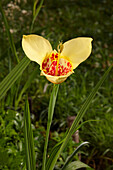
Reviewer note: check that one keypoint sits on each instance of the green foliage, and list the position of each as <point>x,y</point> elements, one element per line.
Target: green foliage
<point>11,140</point>
<point>78,118</point>
<point>77,165</point>
<point>99,133</point>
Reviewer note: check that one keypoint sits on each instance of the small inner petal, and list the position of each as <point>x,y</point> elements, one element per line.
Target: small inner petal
<point>56,66</point>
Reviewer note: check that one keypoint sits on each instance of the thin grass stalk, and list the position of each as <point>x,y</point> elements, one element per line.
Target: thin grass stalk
<point>50,116</point>
<point>11,42</point>
<point>36,12</point>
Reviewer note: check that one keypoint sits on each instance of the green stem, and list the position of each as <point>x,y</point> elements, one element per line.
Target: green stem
<point>50,116</point>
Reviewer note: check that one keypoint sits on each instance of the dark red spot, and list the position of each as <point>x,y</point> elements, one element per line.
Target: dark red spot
<point>54,63</point>
<point>56,55</point>
<point>47,60</point>
<point>44,64</point>
<point>69,64</point>
<point>52,57</point>
<point>47,69</point>
<point>59,70</point>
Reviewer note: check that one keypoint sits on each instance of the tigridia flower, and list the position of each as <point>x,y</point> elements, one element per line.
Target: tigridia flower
<point>56,65</point>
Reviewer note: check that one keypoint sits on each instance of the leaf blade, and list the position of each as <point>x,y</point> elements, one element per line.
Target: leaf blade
<point>29,142</point>
<point>77,165</point>
<point>10,79</point>
<point>72,155</point>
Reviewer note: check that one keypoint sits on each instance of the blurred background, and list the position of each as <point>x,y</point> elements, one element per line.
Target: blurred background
<point>58,20</point>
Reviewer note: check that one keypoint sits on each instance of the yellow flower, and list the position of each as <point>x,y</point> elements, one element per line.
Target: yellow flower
<point>56,65</point>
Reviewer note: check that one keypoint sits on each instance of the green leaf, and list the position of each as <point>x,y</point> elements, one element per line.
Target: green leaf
<point>53,153</point>
<point>10,79</point>
<point>76,165</point>
<point>29,142</point>
<point>73,154</point>
<point>79,116</point>
<point>12,45</point>
<point>50,116</point>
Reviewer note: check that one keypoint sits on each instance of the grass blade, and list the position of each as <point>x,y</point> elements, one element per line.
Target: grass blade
<point>53,153</point>
<point>36,11</point>
<point>10,79</point>
<point>72,155</point>
<point>79,116</point>
<point>50,116</point>
<point>29,142</point>
<point>77,165</point>
<point>12,45</point>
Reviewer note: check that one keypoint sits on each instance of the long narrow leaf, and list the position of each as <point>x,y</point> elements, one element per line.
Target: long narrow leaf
<point>53,153</point>
<point>12,45</point>
<point>79,116</point>
<point>29,142</point>
<point>72,155</point>
<point>10,79</point>
<point>77,165</point>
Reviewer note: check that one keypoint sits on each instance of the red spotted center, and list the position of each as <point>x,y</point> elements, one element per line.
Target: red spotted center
<point>56,66</point>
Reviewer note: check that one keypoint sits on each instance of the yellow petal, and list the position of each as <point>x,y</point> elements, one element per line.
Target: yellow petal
<point>36,47</point>
<point>56,79</point>
<point>77,50</point>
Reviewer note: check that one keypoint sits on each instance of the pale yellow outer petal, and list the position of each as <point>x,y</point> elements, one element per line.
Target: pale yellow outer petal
<point>56,79</point>
<point>77,50</point>
<point>36,47</point>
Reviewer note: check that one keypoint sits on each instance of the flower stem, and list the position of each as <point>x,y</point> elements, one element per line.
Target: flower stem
<point>50,116</point>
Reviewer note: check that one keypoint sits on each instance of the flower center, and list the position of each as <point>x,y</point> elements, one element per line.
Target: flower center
<point>55,65</point>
